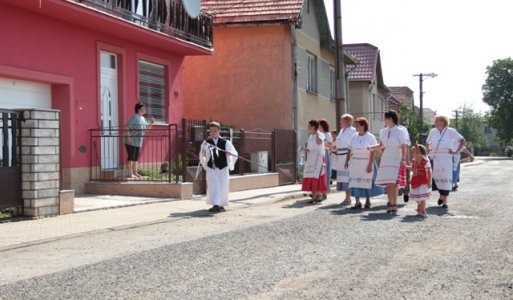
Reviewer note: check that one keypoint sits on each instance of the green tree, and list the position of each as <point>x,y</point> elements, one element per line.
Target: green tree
<point>411,120</point>
<point>498,93</point>
<point>468,124</point>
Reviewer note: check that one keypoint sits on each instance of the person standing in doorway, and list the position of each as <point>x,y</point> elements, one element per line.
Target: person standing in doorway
<point>218,157</point>
<point>137,126</point>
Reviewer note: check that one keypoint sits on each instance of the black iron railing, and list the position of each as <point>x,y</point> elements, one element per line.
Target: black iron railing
<point>158,158</point>
<point>166,16</point>
<point>171,153</point>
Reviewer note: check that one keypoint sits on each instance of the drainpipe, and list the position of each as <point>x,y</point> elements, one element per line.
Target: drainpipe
<point>294,77</point>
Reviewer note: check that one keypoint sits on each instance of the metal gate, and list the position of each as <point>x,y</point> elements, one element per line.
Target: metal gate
<point>285,147</point>
<point>10,162</point>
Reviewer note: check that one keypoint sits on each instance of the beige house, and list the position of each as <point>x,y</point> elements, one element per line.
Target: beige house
<point>404,94</point>
<point>367,90</point>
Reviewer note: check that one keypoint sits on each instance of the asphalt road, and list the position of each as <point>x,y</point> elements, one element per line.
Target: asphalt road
<point>291,250</point>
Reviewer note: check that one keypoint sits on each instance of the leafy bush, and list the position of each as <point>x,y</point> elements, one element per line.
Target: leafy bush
<point>508,151</point>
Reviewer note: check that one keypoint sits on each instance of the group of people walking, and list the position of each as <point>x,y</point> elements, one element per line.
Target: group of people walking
<point>353,155</point>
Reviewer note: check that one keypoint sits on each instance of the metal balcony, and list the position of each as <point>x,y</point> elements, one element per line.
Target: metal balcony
<point>165,16</point>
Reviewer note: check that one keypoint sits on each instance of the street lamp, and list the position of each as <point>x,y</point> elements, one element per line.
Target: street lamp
<point>422,77</point>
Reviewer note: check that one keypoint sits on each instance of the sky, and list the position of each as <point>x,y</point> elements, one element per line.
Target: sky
<point>456,39</point>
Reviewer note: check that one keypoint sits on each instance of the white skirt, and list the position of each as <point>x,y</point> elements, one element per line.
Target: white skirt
<point>420,193</point>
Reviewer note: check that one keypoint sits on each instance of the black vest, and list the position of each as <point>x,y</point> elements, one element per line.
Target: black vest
<point>218,159</point>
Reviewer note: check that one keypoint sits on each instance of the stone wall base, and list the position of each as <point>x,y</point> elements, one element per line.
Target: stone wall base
<point>66,202</point>
<point>253,181</point>
<point>141,189</point>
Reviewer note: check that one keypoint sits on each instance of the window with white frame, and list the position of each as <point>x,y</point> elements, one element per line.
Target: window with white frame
<point>153,90</point>
<point>311,83</point>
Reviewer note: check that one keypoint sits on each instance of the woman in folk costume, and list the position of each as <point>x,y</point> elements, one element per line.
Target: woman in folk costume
<point>341,143</point>
<point>393,142</point>
<point>314,175</point>
<point>217,156</point>
<point>440,143</point>
<point>362,166</point>
<point>324,127</point>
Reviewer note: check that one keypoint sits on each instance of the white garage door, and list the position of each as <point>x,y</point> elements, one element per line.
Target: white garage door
<point>24,94</point>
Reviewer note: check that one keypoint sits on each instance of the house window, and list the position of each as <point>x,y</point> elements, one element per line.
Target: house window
<point>311,83</point>
<point>333,85</point>
<point>152,89</point>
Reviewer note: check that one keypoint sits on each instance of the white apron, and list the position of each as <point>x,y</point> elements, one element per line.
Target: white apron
<point>358,175</point>
<point>315,157</point>
<point>440,143</point>
<point>392,138</point>
<point>342,142</point>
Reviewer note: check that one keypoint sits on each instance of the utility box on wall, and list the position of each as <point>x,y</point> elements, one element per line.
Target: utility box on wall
<point>197,133</point>
<point>262,158</point>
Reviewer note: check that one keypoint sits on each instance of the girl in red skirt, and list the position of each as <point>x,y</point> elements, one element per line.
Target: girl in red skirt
<point>421,178</point>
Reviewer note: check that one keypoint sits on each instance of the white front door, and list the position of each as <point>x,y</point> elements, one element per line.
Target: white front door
<point>109,111</point>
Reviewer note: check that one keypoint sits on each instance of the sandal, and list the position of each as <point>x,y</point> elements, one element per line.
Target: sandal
<point>357,206</point>
<point>440,201</point>
<point>367,205</point>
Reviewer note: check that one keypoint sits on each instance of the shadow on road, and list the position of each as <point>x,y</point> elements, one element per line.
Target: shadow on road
<point>437,210</point>
<point>299,204</point>
<point>412,218</point>
<point>192,214</point>
<point>331,206</point>
<point>378,216</point>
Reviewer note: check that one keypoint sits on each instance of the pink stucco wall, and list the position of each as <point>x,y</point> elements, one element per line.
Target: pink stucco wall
<point>37,47</point>
<point>247,82</point>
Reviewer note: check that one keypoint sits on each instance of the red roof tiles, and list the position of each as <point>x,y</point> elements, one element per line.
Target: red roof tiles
<point>252,11</point>
<point>367,56</point>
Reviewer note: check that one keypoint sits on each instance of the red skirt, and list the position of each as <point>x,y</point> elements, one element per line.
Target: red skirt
<point>315,184</point>
<point>401,177</point>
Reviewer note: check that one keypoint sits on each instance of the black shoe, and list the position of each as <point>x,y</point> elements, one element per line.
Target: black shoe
<point>406,198</point>
<point>221,208</point>
<point>445,206</point>
<point>357,206</point>
<point>440,201</point>
<point>215,209</point>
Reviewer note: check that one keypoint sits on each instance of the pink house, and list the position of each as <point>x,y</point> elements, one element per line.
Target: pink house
<point>93,60</point>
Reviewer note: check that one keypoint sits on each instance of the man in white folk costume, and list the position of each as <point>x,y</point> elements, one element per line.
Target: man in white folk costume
<point>218,157</point>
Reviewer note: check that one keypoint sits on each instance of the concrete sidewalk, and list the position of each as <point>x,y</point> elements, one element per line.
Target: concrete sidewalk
<point>131,214</point>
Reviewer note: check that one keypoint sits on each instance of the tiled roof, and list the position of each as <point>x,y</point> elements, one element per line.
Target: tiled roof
<point>402,93</point>
<point>368,59</point>
<point>252,11</point>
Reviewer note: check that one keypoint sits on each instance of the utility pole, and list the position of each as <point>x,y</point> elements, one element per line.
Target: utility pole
<point>340,77</point>
<point>422,77</point>
<point>457,115</point>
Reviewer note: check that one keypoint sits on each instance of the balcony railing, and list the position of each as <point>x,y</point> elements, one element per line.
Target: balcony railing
<point>166,16</point>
